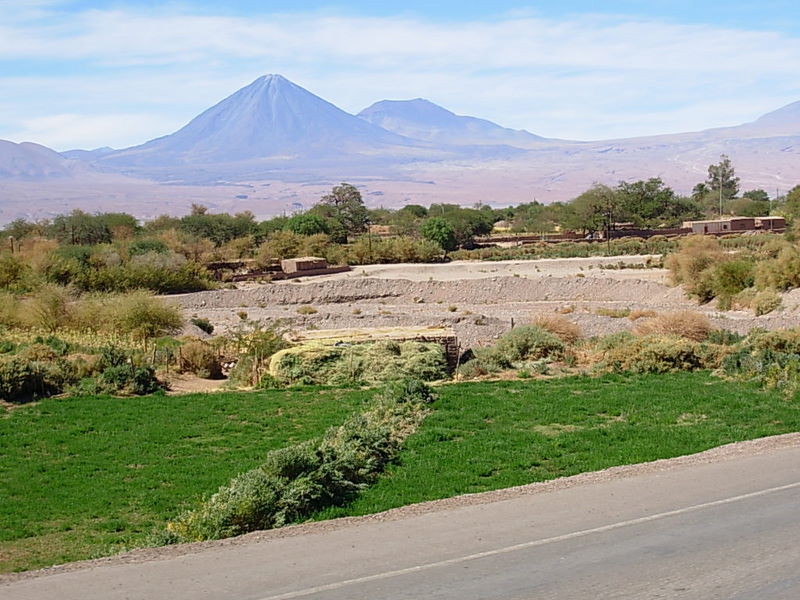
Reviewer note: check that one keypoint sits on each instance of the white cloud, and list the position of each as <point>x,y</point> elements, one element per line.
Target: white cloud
<point>587,77</point>
<point>67,131</point>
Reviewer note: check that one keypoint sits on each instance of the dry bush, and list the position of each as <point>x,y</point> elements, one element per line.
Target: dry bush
<point>781,273</point>
<point>642,314</point>
<point>279,245</point>
<point>686,324</point>
<point>765,302</point>
<point>198,357</point>
<point>566,330</point>
<point>10,315</point>
<point>692,266</point>
<point>761,303</point>
<point>47,308</point>
<point>614,313</point>
<point>35,252</point>
<point>657,354</point>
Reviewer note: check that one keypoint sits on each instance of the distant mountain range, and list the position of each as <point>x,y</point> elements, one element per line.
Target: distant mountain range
<point>423,120</point>
<point>295,143</point>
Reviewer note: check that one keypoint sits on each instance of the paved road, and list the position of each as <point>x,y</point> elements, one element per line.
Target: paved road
<point>724,530</point>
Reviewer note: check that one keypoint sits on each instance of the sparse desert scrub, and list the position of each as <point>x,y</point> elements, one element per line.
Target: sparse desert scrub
<point>198,357</point>
<point>614,313</point>
<point>567,331</point>
<point>691,265</point>
<point>655,353</point>
<point>642,314</point>
<point>687,324</point>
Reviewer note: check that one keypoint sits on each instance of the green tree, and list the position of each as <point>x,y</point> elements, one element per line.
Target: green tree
<point>594,210</point>
<point>80,228</point>
<point>791,206</point>
<point>722,181</point>
<point>307,224</point>
<point>439,231</point>
<point>345,206</point>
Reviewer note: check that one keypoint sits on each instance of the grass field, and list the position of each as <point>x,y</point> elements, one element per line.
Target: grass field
<point>88,477</point>
<point>486,436</point>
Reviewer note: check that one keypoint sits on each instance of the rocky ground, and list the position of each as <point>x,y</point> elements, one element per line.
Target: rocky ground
<point>480,300</point>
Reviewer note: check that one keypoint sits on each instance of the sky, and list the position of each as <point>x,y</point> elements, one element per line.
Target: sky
<point>87,73</point>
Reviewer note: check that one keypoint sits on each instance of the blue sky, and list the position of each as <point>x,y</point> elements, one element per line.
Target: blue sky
<point>89,73</point>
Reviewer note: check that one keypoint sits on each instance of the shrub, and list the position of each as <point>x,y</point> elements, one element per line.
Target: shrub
<point>377,362</point>
<point>724,337</point>
<point>614,313</point>
<point>145,316</point>
<point>13,272</point>
<point>656,354</point>
<point>296,481</point>
<point>47,308</point>
<point>765,302</point>
<point>687,324</point>
<point>22,379</point>
<point>198,357</point>
<point>642,314</point>
<point>306,309</point>
<point>731,277</point>
<point>9,310</point>
<point>527,343</point>
<point>566,330</point>
<point>279,245</point>
<point>692,266</point>
<point>780,273</point>
<point>203,324</point>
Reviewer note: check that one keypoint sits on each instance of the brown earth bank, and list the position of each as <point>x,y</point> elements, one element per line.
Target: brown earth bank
<point>480,300</point>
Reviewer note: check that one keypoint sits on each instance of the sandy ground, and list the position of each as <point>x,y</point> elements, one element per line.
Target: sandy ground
<point>480,300</point>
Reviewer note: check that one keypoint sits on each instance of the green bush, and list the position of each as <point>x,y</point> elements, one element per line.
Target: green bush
<point>378,362</point>
<point>23,379</point>
<point>764,302</point>
<point>13,272</point>
<point>296,481</point>
<point>658,354</point>
<point>203,324</point>
<point>528,343</point>
<point>780,273</point>
<point>144,316</point>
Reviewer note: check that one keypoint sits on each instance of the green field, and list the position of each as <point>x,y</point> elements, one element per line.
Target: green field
<point>486,436</point>
<point>90,476</point>
<point>86,477</point>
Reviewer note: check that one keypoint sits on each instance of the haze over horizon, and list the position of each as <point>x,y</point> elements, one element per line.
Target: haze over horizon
<point>84,74</point>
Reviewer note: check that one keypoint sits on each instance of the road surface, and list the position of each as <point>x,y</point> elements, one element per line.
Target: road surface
<point>700,529</point>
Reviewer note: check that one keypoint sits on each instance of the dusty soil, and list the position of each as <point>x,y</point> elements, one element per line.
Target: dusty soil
<point>480,300</point>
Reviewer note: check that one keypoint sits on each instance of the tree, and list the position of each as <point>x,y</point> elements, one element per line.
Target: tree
<point>80,228</point>
<point>791,206</point>
<point>345,206</point>
<point>440,232</point>
<point>307,224</point>
<point>722,180</point>
<point>594,210</point>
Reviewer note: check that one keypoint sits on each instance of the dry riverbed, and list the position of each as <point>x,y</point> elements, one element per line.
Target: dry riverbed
<point>480,300</point>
